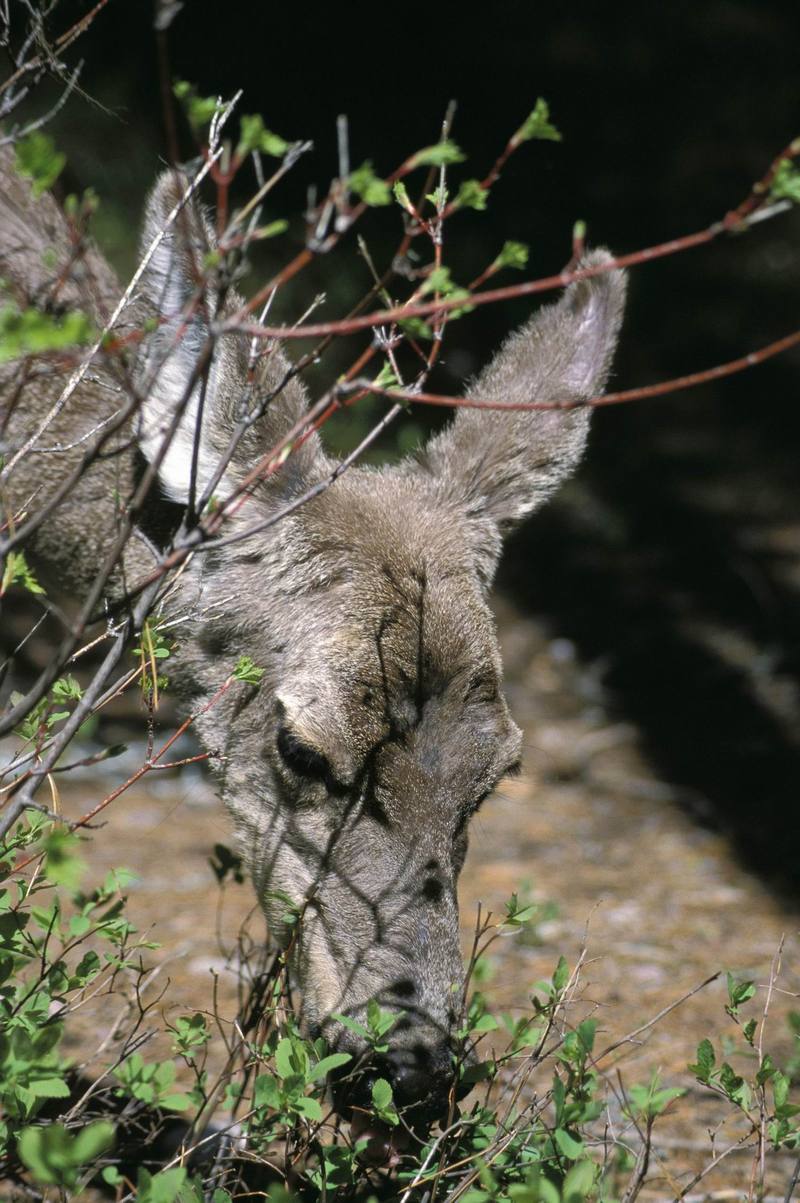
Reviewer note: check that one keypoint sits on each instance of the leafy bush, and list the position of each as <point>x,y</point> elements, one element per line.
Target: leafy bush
<point>537,1127</point>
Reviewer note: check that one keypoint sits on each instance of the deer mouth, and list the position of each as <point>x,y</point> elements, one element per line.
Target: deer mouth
<point>419,1101</point>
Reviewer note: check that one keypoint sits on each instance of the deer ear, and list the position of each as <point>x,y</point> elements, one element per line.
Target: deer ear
<point>501,465</point>
<point>182,310</point>
<point>218,387</point>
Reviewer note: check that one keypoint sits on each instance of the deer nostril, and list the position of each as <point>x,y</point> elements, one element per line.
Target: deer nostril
<point>421,1077</point>
<point>404,988</point>
<point>432,889</point>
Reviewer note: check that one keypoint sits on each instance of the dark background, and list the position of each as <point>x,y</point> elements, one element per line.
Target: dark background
<point>673,561</point>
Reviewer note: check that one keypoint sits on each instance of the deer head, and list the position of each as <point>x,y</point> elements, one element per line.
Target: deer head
<point>352,770</point>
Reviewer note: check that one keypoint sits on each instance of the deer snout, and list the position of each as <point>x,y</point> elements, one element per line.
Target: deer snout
<point>421,1075</point>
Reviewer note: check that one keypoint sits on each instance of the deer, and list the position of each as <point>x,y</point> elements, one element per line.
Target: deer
<point>352,769</point>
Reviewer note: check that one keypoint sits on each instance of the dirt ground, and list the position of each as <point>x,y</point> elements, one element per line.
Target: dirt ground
<point>590,832</point>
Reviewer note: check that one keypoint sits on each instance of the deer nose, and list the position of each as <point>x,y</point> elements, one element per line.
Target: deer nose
<point>421,1077</point>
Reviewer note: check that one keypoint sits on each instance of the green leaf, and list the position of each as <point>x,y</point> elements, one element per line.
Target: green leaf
<point>31,332</point>
<point>785,182</point>
<point>401,196</point>
<point>308,1107</point>
<point>415,327</point>
<point>568,1145</point>
<point>705,1061</point>
<point>586,1032</point>
<point>780,1089</point>
<point>273,228</point>
<point>92,1141</point>
<point>513,254</point>
<point>16,571</point>
<point>471,195</point>
<point>253,135</point>
<point>37,158</point>
<point>191,1032</point>
<point>50,1088</point>
<point>382,1101</point>
<point>766,1070</point>
<point>199,109</point>
<point>160,1188</point>
<point>650,1101</point>
<point>246,671</point>
<point>738,993</point>
<point>438,198</point>
<point>537,125</point>
<point>578,1182</point>
<point>54,1156</point>
<point>548,1192</point>
<point>440,155</point>
<point>62,866</point>
<point>352,1025</point>
<point>284,1063</point>
<point>324,1067</point>
<point>381,1094</point>
<point>561,975</point>
<point>368,186</point>
<point>267,1092</point>
<point>486,1023</point>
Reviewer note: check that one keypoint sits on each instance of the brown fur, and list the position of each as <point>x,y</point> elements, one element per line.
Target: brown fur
<point>352,770</point>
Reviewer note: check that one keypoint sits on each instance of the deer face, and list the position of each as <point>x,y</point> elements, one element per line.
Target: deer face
<point>378,728</point>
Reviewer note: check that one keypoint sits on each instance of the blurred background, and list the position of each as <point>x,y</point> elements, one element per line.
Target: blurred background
<point>671,565</point>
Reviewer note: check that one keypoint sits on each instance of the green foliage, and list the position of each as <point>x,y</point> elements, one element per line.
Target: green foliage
<point>191,1034</point>
<point>152,649</point>
<point>17,572</point>
<point>441,155</point>
<point>786,182</point>
<point>57,944</point>
<point>151,1082</point>
<point>253,135</point>
<point>55,1156</point>
<point>471,195</point>
<point>513,254</point>
<point>538,125</point>
<point>199,109</point>
<point>51,709</point>
<point>38,159</point>
<point>171,1186</point>
<point>647,1102</point>
<point>283,1096</point>
<point>439,282</point>
<point>61,864</point>
<point>738,993</point>
<point>32,332</point>
<point>376,1028</point>
<point>400,193</point>
<point>247,671</point>
<point>382,1102</point>
<point>368,186</point>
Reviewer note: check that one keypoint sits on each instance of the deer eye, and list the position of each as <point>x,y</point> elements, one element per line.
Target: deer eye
<point>301,758</point>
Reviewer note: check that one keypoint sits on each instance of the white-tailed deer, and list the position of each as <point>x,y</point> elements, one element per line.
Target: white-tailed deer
<point>352,770</point>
